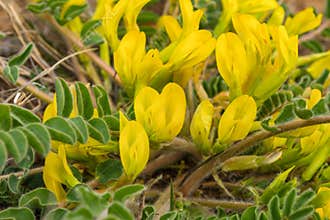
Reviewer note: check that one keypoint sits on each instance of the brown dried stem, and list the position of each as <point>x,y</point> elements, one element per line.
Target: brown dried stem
<point>205,169</point>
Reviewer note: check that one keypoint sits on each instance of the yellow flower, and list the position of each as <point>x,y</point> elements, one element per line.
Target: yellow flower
<point>57,172</point>
<point>135,67</point>
<point>322,198</point>
<point>132,11</point>
<point>317,67</point>
<point>247,61</point>
<point>189,46</point>
<point>111,16</point>
<point>162,115</point>
<point>257,8</point>
<point>200,126</point>
<point>277,16</point>
<point>133,147</point>
<point>237,120</point>
<point>303,22</point>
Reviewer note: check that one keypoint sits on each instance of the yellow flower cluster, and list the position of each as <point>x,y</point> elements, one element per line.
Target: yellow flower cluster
<point>235,123</point>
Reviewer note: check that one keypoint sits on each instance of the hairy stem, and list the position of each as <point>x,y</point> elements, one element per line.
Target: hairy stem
<point>22,173</point>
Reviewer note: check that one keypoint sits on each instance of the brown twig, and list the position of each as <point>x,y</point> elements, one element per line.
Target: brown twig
<point>21,173</point>
<point>205,169</point>
<point>31,88</point>
<point>213,203</point>
<point>95,58</point>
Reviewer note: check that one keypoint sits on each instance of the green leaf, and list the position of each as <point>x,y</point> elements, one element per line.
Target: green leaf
<point>120,211</point>
<point>89,26</point>
<point>127,191</point>
<point>2,35</point>
<point>148,213</point>
<point>88,199</point>
<point>323,77</point>
<point>305,198</point>
<point>22,115</point>
<point>20,58</point>
<point>98,130</point>
<point>289,202</point>
<point>327,9</point>
<point>80,128</point>
<point>93,39</point>
<point>3,155</point>
<point>262,216</point>
<point>169,216</point>
<point>6,121</point>
<point>110,169</point>
<point>56,214</point>
<point>265,125</point>
<point>14,184</point>
<point>38,137</point>
<point>313,45</point>
<point>61,130</point>
<point>38,198</point>
<point>275,186</point>
<point>12,73</point>
<point>274,208</point>
<point>320,108</point>
<point>13,149</point>
<point>102,101</point>
<point>38,7</point>
<point>17,214</point>
<point>84,101</point>
<point>21,142</point>
<point>147,16</point>
<point>249,213</point>
<point>28,160</point>
<point>78,214</point>
<point>287,114</point>
<point>301,214</point>
<point>64,99</point>
<point>112,122</point>
<point>73,11</point>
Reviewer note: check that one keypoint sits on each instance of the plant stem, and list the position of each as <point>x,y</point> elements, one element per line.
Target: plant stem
<point>96,59</point>
<point>21,173</point>
<point>193,180</point>
<point>213,203</point>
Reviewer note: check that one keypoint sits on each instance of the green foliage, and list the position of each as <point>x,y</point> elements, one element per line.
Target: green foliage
<point>55,7</point>
<point>11,71</point>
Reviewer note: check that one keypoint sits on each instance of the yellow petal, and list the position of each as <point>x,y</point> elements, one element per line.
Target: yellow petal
<point>195,48</point>
<point>303,22</point>
<point>132,11</point>
<point>254,7</point>
<point>172,27</point>
<point>111,21</point>
<point>190,17</point>
<point>173,101</point>
<point>237,119</point>
<point>232,62</point>
<point>277,17</point>
<point>317,67</point>
<point>130,52</point>
<point>201,125</point>
<point>314,98</point>
<point>57,171</point>
<point>134,149</point>
<point>142,107</point>
<point>161,115</point>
